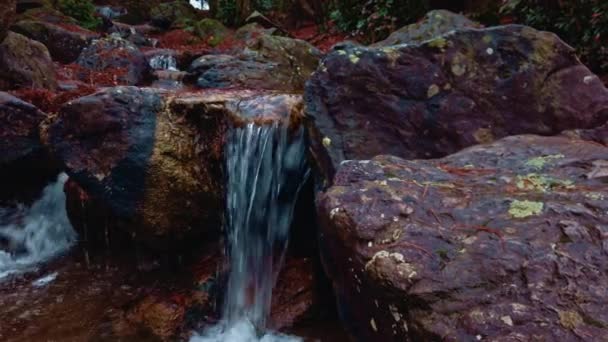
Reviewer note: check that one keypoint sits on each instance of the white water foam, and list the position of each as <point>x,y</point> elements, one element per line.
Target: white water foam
<point>241,331</point>
<point>35,234</point>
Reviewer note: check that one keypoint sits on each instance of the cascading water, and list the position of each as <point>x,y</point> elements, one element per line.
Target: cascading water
<point>31,235</point>
<point>163,62</point>
<point>266,168</point>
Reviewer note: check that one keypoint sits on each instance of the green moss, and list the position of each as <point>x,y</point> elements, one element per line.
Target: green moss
<point>438,43</point>
<point>540,162</point>
<point>81,10</point>
<point>211,30</point>
<point>522,209</point>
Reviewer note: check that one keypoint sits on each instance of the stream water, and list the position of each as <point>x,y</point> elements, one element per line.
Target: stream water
<point>32,235</point>
<point>266,168</point>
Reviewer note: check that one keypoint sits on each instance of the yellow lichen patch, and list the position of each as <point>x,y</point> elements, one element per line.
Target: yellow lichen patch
<point>458,69</point>
<point>595,196</point>
<point>439,43</point>
<point>341,52</point>
<point>353,58</point>
<point>483,136</point>
<point>487,39</point>
<point>432,91</point>
<point>392,54</point>
<point>541,183</point>
<point>570,319</point>
<point>326,142</point>
<point>522,209</point>
<point>539,162</point>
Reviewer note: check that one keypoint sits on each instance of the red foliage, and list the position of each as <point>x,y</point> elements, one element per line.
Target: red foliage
<point>74,28</point>
<point>106,78</point>
<point>50,102</point>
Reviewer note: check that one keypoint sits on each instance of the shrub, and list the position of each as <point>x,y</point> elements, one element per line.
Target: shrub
<point>581,23</point>
<point>81,10</point>
<point>375,19</point>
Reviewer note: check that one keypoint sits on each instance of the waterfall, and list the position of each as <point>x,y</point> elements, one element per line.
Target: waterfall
<point>266,168</point>
<point>31,235</point>
<point>163,62</point>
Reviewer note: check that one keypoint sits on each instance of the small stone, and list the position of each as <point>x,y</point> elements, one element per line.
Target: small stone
<point>507,320</point>
<point>490,51</point>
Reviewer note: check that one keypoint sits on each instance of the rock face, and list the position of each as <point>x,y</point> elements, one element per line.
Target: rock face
<point>144,163</point>
<point>65,43</point>
<point>23,162</point>
<point>25,63</point>
<point>434,24</point>
<point>464,88</point>
<point>269,62</point>
<point>7,15</point>
<point>505,241</point>
<point>116,54</point>
<point>154,162</point>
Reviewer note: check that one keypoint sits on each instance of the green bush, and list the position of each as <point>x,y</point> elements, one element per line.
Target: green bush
<point>81,10</point>
<point>373,20</point>
<point>581,23</point>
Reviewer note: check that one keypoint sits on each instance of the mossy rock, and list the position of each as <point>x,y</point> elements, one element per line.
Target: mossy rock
<point>47,14</point>
<point>211,31</point>
<point>173,14</point>
<point>25,63</point>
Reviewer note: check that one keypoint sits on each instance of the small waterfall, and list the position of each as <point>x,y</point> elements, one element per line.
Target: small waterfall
<point>200,4</point>
<point>163,62</point>
<point>266,168</point>
<point>31,235</point>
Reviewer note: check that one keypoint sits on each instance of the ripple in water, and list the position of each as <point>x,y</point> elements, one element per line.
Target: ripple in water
<point>32,235</point>
<point>266,168</point>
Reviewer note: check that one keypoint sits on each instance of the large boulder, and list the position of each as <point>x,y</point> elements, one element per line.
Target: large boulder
<point>24,165</point>
<point>115,55</point>
<point>467,87</point>
<point>501,242</point>
<point>434,24</point>
<point>269,62</point>
<point>151,161</point>
<point>64,42</point>
<point>175,13</point>
<point>25,63</point>
<point>7,15</point>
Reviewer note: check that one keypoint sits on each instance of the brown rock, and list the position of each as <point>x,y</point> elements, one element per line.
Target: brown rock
<point>7,16</point>
<point>505,241</point>
<point>435,98</point>
<point>25,63</point>
<point>154,162</point>
<point>24,164</point>
<point>65,43</point>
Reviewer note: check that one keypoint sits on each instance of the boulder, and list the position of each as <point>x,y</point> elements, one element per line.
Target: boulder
<point>175,13</point>
<point>65,42</point>
<point>211,31</point>
<point>7,15</point>
<point>435,23</point>
<point>251,32</point>
<point>506,241</point>
<point>153,162</point>
<point>114,54</point>
<point>269,62</point>
<point>24,164</point>
<point>431,99</point>
<point>25,63</point>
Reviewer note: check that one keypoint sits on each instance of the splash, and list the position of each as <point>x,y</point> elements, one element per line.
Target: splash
<point>32,235</point>
<point>163,62</point>
<point>266,168</point>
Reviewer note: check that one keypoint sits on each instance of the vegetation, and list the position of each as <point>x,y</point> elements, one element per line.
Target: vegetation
<point>373,20</point>
<point>81,10</point>
<point>581,23</point>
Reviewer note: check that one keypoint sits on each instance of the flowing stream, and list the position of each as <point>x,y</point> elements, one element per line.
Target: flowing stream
<point>266,166</point>
<point>32,235</point>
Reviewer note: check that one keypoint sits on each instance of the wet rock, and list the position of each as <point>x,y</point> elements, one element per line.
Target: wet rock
<point>24,164</point>
<point>153,162</point>
<point>504,241</point>
<point>137,35</point>
<point>25,63</point>
<point>435,23</point>
<point>145,164</point>
<point>116,55</point>
<point>270,62</point>
<point>467,87</point>
<point>7,15</point>
<point>65,42</point>
<point>294,295</point>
